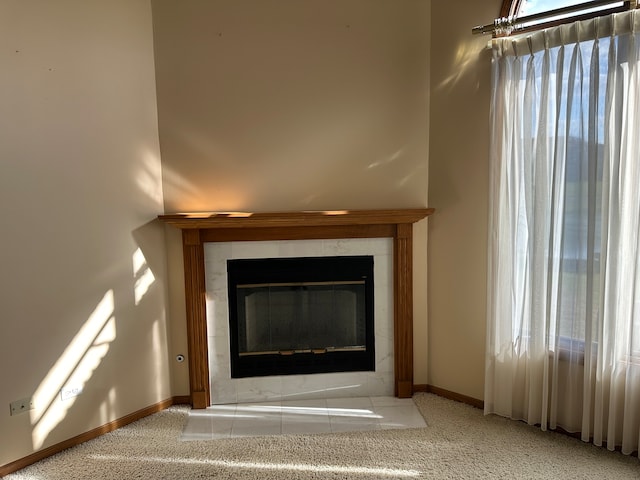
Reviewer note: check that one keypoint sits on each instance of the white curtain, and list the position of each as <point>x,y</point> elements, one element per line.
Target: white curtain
<point>563,342</point>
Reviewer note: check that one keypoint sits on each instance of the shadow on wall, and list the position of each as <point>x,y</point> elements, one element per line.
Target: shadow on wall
<point>76,367</point>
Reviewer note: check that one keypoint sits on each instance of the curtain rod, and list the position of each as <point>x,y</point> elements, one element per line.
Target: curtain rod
<point>513,24</point>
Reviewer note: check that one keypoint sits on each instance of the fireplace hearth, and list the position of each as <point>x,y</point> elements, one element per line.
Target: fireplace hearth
<point>301,315</point>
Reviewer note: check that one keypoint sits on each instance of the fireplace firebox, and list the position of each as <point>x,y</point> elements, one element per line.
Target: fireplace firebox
<point>301,315</point>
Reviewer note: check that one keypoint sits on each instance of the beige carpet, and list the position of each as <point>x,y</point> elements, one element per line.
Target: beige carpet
<point>459,442</point>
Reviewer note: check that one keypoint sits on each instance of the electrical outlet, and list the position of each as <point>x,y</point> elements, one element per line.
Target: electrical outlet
<point>71,391</point>
<point>20,406</point>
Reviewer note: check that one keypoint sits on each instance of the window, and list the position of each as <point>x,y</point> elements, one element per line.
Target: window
<point>518,16</point>
<point>530,7</point>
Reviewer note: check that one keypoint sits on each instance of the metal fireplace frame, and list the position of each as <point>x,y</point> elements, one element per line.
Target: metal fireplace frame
<point>304,271</point>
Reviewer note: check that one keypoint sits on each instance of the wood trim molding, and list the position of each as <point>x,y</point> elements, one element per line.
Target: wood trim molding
<point>219,220</point>
<point>90,435</point>
<point>510,8</point>
<point>441,392</point>
<point>195,297</point>
<point>182,400</point>
<point>403,310</point>
<point>198,228</point>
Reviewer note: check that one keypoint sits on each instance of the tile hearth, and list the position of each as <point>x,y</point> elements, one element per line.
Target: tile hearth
<point>297,417</point>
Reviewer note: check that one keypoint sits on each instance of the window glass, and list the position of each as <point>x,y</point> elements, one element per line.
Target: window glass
<point>532,7</point>
<point>529,7</point>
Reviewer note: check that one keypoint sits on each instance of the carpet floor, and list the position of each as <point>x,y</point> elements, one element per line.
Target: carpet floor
<point>459,442</point>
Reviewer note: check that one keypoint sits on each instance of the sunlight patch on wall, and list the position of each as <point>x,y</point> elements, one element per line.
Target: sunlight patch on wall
<point>74,367</point>
<point>177,187</point>
<point>385,161</point>
<point>143,275</point>
<point>106,407</point>
<point>465,63</point>
<point>149,176</point>
<point>159,340</point>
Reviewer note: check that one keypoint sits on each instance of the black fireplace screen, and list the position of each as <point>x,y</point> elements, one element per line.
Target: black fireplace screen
<point>301,315</point>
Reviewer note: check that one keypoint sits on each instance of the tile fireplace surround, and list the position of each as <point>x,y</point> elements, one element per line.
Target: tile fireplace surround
<point>202,228</point>
<point>225,389</point>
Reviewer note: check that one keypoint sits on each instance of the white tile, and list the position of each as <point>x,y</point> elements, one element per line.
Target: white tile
<point>219,364</point>
<point>256,430</point>
<point>383,271</point>
<point>296,415</point>
<point>305,416</point>
<point>257,419</point>
<point>352,384</point>
<point>320,386</point>
<point>263,249</point>
<point>303,387</point>
<point>258,389</point>
<point>247,420</point>
<point>400,417</point>
<point>305,413</point>
<point>302,417</point>
<point>391,401</point>
<point>350,403</point>
<point>353,415</point>
<point>343,246</point>
<point>220,370</point>
<point>381,385</point>
<point>341,425</point>
<point>198,428</point>
<point>384,357</point>
<point>216,281</point>
<point>384,321</point>
<point>300,248</point>
<point>217,313</point>
<point>305,427</point>
<point>221,426</point>
<point>315,403</point>
<point>221,412</point>
<point>266,411</point>
<point>215,253</point>
<point>262,404</point>
<point>223,391</point>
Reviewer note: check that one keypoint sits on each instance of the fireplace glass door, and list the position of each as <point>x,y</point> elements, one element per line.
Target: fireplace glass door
<point>301,315</point>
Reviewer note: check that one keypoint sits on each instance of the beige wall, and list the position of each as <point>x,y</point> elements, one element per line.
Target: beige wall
<point>284,105</point>
<point>80,183</point>
<point>264,105</point>
<point>458,189</point>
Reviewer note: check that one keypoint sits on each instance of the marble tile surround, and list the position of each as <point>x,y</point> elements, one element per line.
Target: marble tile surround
<point>225,389</point>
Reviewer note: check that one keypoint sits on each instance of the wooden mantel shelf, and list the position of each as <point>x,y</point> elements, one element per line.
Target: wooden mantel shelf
<point>206,220</point>
<point>199,228</point>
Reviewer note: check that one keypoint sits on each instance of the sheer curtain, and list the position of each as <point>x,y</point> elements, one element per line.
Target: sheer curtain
<point>563,342</point>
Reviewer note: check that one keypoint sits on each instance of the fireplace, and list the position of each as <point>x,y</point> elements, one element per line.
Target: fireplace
<point>301,315</point>
<point>202,227</point>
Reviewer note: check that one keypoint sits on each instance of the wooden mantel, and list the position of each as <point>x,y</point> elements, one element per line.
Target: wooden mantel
<point>201,227</point>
